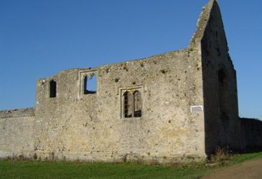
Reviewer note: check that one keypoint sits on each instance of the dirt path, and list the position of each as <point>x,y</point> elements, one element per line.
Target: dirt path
<point>247,170</point>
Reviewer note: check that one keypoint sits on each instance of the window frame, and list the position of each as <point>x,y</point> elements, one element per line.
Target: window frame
<point>83,84</point>
<point>132,91</point>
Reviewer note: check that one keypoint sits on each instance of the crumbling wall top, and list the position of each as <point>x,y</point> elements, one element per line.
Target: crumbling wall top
<point>202,23</point>
<point>26,112</point>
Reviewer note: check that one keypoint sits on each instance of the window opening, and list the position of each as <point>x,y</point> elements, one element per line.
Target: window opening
<point>137,104</point>
<point>132,104</point>
<point>90,84</point>
<point>85,85</point>
<point>52,89</point>
<point>127,104</point>
<point>224,105</point>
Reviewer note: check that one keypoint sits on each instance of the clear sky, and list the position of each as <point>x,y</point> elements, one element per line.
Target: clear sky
<point>39,38</point>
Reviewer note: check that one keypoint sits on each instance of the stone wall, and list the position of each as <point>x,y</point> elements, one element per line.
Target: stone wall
<point>91,127</point>
<point>16,131</point>
<point>187,98</point>
<point>222,127</point>
<point>220,87</point>
<point>251,132</point>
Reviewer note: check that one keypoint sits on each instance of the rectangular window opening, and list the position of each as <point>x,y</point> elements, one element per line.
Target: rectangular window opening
<point>90,83</point>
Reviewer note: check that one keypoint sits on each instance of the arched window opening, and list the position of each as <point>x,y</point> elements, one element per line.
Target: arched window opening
<point>89,84</point>
<point>224,105</point>
<point>137,104</point>
<point>128,105</point>
<point>52,89</point>
<point>131,104</point>
<point>223,93</point>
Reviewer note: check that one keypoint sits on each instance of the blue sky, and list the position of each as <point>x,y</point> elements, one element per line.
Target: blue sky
<point>40,38</point>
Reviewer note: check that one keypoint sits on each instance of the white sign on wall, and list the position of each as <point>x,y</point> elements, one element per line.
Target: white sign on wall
<point>196,109</point>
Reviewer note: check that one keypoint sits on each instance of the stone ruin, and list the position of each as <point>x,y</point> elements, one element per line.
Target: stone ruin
<point>173,107</point>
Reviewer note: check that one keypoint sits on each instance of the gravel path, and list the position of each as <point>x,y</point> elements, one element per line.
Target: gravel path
<point>247,170</point>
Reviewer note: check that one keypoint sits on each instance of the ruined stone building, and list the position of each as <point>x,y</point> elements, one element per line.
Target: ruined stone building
<point>169,107</point>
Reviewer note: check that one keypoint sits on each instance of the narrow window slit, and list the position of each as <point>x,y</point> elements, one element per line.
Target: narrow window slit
<point>52,89</point>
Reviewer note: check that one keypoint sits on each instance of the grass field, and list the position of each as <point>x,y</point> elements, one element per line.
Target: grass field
<point>10,169</point>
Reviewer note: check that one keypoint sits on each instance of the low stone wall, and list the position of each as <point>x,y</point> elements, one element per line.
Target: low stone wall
<point>16,131</point>
<point>251,133</point>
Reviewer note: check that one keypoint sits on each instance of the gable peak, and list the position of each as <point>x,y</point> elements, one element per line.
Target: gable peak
<point>202,22</point>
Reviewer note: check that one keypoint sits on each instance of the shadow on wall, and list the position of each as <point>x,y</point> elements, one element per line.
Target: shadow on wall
<point>251,134</point>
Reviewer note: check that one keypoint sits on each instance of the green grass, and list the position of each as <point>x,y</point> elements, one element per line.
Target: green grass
<point>239,158</point>
<point>30,169</point>
<point>34,169</point>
